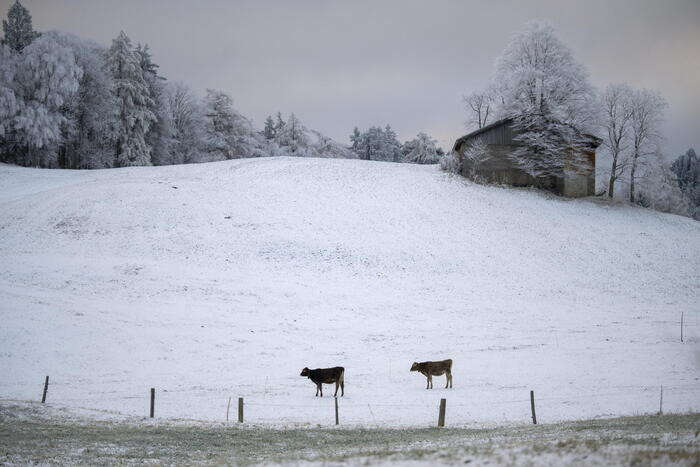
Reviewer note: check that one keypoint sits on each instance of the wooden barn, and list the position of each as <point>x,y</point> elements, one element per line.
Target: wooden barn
<point>497,167</point>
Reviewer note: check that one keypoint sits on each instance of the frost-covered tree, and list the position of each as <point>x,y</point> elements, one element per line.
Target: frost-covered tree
<point>91,114</point>
<point>371,144</point>
<point>661,191</point>
<point>134,104</point>
<point>421,150</point>
<point>160,135</point>
<point>269,131</point>
<point>355,139</point>
<point>279,123</point>
<point>479,106</point>
<point>546,93</point>
<point>686,169</point>
<point>391,148</point>
<point>324,146</point>
<point>616,121</point>
<point>9,106</point>
<point>46,79</point>
<point>293,136</point>
<point>376,143</point>
<point>17,28</point>
<point>229,134</point>
<point>645,129</point>
<point>473,155</point>
<point>188,120</point>
<point>451,163</point>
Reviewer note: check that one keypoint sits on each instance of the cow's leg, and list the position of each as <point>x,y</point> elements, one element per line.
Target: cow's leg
<point>316,390</point>
<point>447,379</point>
<point>342,387</point>
<point>320,387</point>
<point>337,384</point>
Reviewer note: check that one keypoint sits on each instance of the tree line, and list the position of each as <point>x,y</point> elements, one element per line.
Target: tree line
<point>68,102</point>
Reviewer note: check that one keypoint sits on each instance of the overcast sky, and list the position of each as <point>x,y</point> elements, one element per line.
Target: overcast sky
<point>340,64</point>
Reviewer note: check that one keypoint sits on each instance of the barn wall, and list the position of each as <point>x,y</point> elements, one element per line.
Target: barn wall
<point>498,168</point>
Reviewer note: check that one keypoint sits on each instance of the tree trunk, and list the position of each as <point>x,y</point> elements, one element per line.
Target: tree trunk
<point>611,183</point>
<point>632,171</point>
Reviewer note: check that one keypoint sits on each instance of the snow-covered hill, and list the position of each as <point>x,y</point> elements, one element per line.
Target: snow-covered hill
<point>226,279</point>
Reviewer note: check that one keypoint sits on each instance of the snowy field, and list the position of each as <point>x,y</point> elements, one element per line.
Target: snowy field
<point>223,280</point>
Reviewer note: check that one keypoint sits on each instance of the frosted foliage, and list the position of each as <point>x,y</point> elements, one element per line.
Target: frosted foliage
<point>92,114</point>
<point>17,28</point>
<point>133,102</point>
<point>546,92</point>
<point>8,102</point>
<point>292,135</point>
<point>46,78</point>
<point>229,134</point>
<point>421,150</point>
<point>187,117</point>
<point>450,163</point>
<point>376,143</point>
<point>661,191</point>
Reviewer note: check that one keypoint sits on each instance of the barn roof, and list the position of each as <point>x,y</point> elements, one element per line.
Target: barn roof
<point>481,130</point>
<point>595,141</point>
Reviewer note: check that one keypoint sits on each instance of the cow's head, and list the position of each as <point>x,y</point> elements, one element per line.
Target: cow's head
<point>414,367</point>
<point>304,372</point>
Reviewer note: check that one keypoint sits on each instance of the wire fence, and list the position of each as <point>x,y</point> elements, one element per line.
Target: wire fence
<point>189,403</point>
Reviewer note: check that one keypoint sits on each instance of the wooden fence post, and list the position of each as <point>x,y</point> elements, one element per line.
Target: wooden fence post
<point>46,388</point>
<point>532,406</point>
<point>681,326</point>
<point>153,401</point>
<point>441,415</point>
<point>240,410</point>
<point>336,410</point>
<point>228,406</point>
<point>661,401</point>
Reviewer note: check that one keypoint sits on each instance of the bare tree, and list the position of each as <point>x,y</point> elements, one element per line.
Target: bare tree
<point>616,124</point>
<point>647,114</point>
<point>478,106</point>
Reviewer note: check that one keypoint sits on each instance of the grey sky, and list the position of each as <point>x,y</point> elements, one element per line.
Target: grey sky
<point>407,63</point>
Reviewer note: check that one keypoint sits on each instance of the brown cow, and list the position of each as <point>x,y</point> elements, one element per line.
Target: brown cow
<point>322,376</point>
<point>430,369</point>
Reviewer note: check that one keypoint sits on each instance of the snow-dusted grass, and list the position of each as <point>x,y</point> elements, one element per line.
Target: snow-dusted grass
<point>33,434</point>
<point>222,280</point>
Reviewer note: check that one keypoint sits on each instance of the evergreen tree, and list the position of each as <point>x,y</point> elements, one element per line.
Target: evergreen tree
<point>391,147</point>
<point>229,134</point>
<point>133,102</point>
<point>18,29</point>
<point>687,170</point>
<point>279,123</point>
<point>270,131</point>
<point>160,134</point>
<point>355,139</point>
